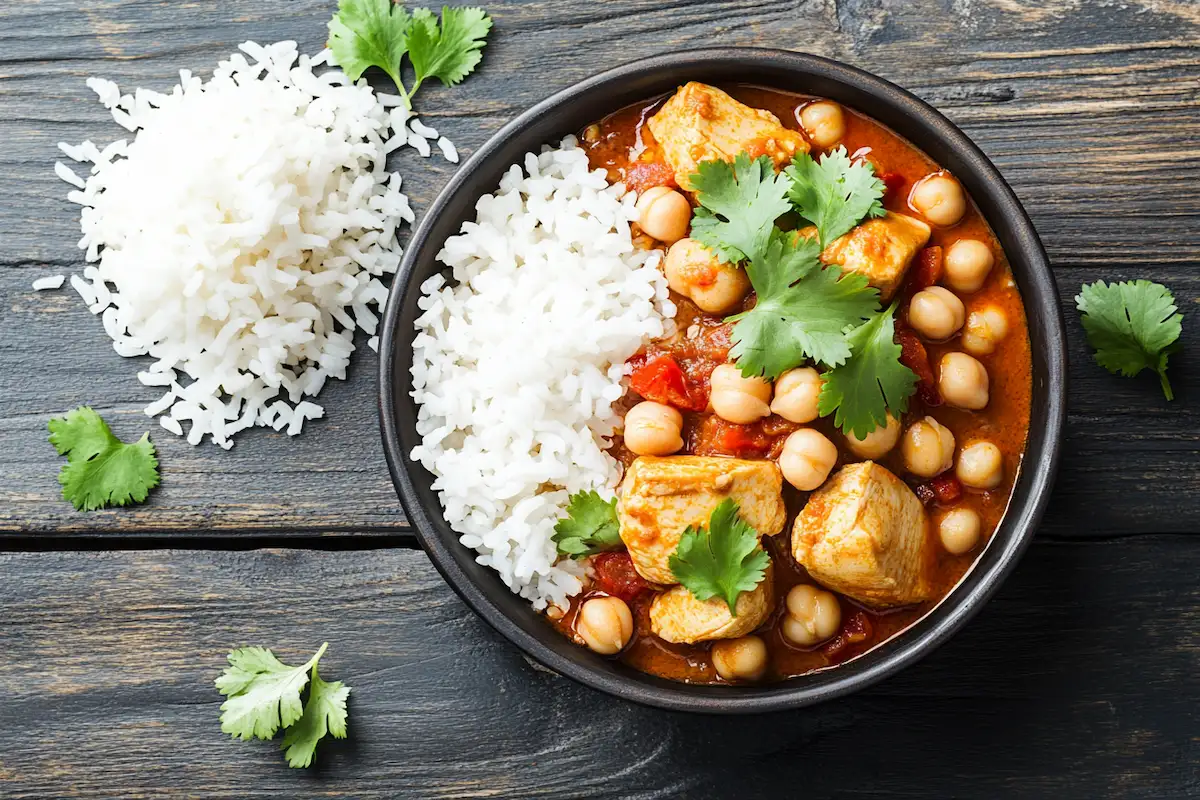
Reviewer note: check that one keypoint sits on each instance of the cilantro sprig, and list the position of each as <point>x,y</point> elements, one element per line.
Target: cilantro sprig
<point>721,560</point>
<point>101,470</point>
<point>264,696</point>
<point>739,204</point>
<point>834,194</point>
<point>379,33</point>
<point>590,526</point>
<point>805,311</point>
<point>1133,325</point>
<point>860,392</point>
<point>802,312</point>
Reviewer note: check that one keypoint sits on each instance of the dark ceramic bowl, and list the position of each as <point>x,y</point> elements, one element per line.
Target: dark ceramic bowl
<point>569,111</point>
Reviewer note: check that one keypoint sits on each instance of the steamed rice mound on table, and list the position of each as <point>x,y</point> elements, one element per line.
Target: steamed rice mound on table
<point>519,359</point>
<point>240,237</point>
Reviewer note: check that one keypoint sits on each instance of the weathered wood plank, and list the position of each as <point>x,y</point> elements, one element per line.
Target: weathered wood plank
<point>1087,110</point>
<point>1076,681</point>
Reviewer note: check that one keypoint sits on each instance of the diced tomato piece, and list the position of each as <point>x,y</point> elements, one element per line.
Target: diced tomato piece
<point>662,380</point>
<point>717,437</point>
<point>645,175</point>
<point>947,488</point>
<point>927,271</point>
<point>857,628</point>
<point>893,182</point>
<point>739,439</point>
<point>944,489</point>
<point>914,356</point>
<point>615,575</point>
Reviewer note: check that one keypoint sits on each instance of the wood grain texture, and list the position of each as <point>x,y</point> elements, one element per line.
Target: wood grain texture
<point>1088,108</point>
<point>1077,681</point>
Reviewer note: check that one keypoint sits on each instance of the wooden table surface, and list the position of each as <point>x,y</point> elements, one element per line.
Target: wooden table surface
<point>1080,679</point>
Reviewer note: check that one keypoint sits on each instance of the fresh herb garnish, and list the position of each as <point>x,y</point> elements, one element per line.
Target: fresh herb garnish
<point>377,33</point>
<point>370,33</point>
<point>449,51</point>
<point>1133,325</point>
<point>722,560</point>
<point>101,470</point>
<point>590,526</point>
<point>835,193</point>
<point>803,309</point>
<point>264,695</point>
<point>739,204</point>
<point>324,712</point>
<point>861,391</point>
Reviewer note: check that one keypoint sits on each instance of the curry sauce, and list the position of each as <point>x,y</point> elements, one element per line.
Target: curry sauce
<point>623,144</point>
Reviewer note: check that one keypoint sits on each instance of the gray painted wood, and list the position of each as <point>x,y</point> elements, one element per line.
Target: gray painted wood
<point>1089,109</point>
<point>1077,681</point>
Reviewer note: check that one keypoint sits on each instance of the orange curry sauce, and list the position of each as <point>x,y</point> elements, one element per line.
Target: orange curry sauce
<point>623,145</point>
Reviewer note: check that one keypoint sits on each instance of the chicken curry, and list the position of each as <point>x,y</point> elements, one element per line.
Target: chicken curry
<point>861,521</point>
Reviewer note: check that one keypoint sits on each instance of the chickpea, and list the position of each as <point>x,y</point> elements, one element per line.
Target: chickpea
<point>967,264</point>
<point>813,615</point>
<point>653,429</point>
<point>807,458</point>
<point>984,330</point>
<point>739,399</point>
<point>963,381</point>
<point>605,624</point>
<point>796,394</point>
<point>928,448</point>
<point>695,272</point>
<point>664,214</point>
<point>742,659</point>
<point>824,122</point>
<point>936,313</point>
<point>939,198</point>
<point>878,443</point>
<point>959,530</point>
<point>980,465</point>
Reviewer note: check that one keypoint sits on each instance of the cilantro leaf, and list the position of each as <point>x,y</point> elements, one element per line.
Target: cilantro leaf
<point>324,712</point>
<point>449,52</point>
<point>739,204</point>
<point>370,33</point>
<point>834,194</point>
<point>1132,325</point>
<point>263,692</point>
<point>802,311</point>
<point>378,33</point>
<point>264,695</point>
<point>722,560</point>
<point>872,381</point>
<point>590,526</point>
<point>101,470</point>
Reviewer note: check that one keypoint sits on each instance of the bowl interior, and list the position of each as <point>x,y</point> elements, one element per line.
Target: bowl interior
<point>568,112</point>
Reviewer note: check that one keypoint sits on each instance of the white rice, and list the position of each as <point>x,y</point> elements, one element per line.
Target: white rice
<point>422,130</point>
<point>240,236</point>
<point>519,358</point>
<point>449,152</point>
<point>48,282</point>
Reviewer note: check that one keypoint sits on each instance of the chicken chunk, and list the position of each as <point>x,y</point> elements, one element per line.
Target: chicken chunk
<point>864,534</point>
<point>677,616</point>
<point>702,123</point>
<point>661,497</point>
<point>880,248</point>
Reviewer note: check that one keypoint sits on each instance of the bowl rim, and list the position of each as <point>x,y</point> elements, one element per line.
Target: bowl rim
<point>1039,462</point>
